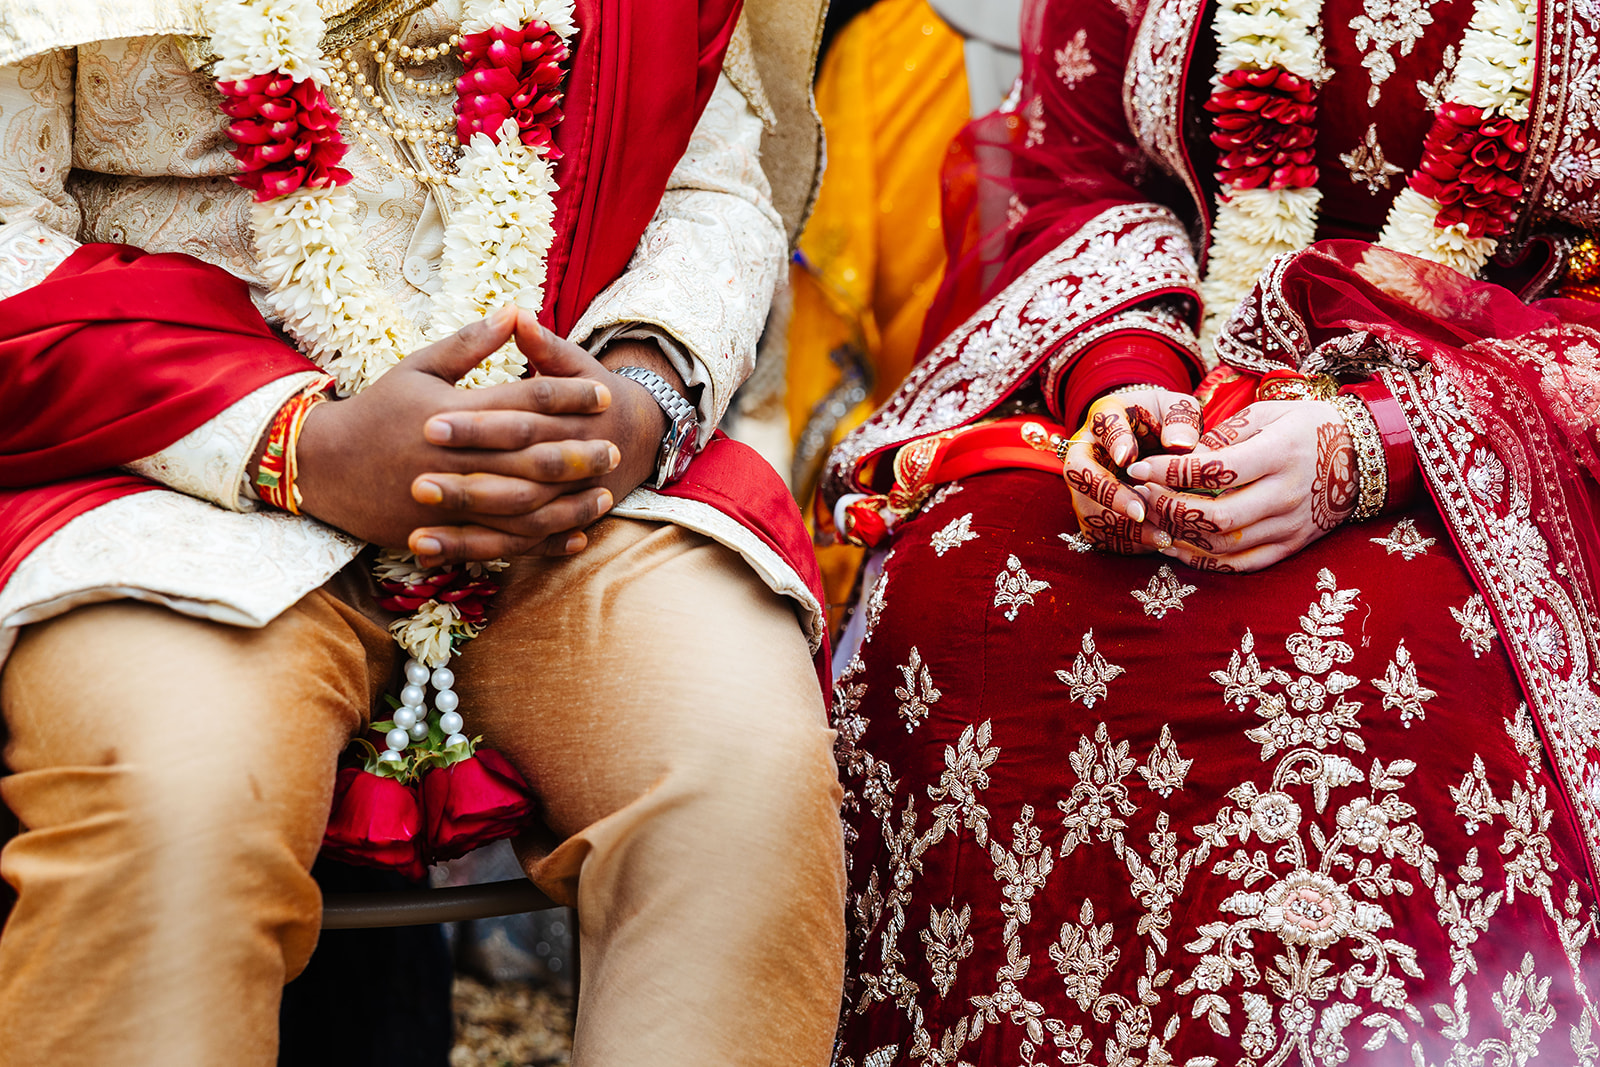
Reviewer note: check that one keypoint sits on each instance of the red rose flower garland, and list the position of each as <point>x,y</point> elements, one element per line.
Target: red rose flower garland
<point>428,794</point>
<point>1459,201</point>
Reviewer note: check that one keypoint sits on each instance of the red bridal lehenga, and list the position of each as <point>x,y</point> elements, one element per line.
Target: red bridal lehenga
<point>1108,809</point>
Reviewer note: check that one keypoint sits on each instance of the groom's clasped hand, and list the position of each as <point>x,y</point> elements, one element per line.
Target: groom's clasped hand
<point>484,473</point>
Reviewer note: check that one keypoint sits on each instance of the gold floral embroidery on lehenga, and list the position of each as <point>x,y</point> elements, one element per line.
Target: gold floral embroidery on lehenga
<point>1302,960</point>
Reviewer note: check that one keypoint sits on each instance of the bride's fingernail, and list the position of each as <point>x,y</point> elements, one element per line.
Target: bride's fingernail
<point>427,493</point>
<point>1136,511</point>
<point>427,546</point>
<point>1163,539</point>
<point>1140,470</point>
<point>437,431</point>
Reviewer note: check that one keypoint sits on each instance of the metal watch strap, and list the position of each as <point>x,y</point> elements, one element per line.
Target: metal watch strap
<point>682,421</point>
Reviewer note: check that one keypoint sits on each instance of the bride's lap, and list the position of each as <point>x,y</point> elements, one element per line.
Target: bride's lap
<point>1033,733</point>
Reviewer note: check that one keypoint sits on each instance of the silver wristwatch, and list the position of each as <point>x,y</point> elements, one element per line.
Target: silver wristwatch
<point>683,426</point>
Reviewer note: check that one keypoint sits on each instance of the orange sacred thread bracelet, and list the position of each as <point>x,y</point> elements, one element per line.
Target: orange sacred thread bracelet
<point>276,476</point>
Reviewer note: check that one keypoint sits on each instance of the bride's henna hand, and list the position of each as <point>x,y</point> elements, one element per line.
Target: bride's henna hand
<point>1117,429</point>
<point>1287,475</point>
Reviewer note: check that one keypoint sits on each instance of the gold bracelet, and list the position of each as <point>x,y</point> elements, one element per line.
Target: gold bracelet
<point>1371,467</point>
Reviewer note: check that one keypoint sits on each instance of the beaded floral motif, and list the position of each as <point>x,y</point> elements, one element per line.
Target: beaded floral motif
<point>1164,593</point>
<point>1014,588</point>
<point>954,534</point>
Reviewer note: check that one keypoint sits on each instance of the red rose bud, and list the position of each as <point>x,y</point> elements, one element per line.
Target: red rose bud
<point>1461,114</point>
<point>473,46</point>
<point>473,802</point>
<point>493,80</point>
<point>375,822</point>
<point>1264,123</point>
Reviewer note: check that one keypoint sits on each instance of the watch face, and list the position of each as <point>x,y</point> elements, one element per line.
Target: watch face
<point>684,453</point>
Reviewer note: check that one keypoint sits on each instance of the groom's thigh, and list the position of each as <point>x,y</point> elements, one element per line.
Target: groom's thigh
<point>653,652</point>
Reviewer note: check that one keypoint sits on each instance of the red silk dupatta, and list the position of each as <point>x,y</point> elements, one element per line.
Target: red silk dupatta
<point>118,354</point>
<point>1503,401</point>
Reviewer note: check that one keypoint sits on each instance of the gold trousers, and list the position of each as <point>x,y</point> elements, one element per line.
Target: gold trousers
<point>173,778</point>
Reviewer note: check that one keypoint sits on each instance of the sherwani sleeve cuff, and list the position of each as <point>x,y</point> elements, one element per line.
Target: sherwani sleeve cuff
<point>702,278</point>
<point>213,461</point>
<point>29,251</point>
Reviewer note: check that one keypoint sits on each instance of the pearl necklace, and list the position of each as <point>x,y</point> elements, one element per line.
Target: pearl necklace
<point>375,120</point>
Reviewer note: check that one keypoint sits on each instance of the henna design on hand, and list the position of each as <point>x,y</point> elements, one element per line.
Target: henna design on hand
<point>1099,489</point>
<point>1105,528</point>
<point>1184,413</point>
<point>1333,489</point>
<point>1207,563</point>
<point>1211,475</point>
<point>1226,432</point>
<point>1183,522</point>
<point>1145,428</point>
<point>1108,430</point>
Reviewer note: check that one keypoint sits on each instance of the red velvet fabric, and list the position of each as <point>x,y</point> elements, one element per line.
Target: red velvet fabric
<point>1111,809</point>
<point>1011,862</point>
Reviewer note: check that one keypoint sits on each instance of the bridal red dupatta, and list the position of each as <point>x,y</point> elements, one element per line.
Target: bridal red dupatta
<point>1503,401</point>
<point>118,353</point>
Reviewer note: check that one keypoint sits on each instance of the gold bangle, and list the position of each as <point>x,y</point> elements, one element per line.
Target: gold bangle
<point>1371,467</point>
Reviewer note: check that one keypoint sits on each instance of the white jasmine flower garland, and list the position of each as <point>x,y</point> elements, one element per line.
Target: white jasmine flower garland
<point>1252,227</point>
<point>332,305</point>
<point>1496,74</point>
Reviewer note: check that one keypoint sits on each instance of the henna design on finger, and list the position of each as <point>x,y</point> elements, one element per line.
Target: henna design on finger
<point>1211,475</point>
<point>1104,527</point>
<point>1101,490</point>
<point>1122,546</point>
<point>1108,429</point>
<point>1333,488</point>
<point>1145,427</point>
<point>1209,563</point>
<point>1226,432</point>
<point>1183,522</point>
<point>1184,413</point>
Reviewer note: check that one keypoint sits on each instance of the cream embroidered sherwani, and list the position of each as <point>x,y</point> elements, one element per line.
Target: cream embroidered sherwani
<point>172,774</point>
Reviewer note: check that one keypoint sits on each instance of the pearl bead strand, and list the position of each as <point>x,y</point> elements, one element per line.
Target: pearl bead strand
<point>372,118</point>
<point>411,717</point>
